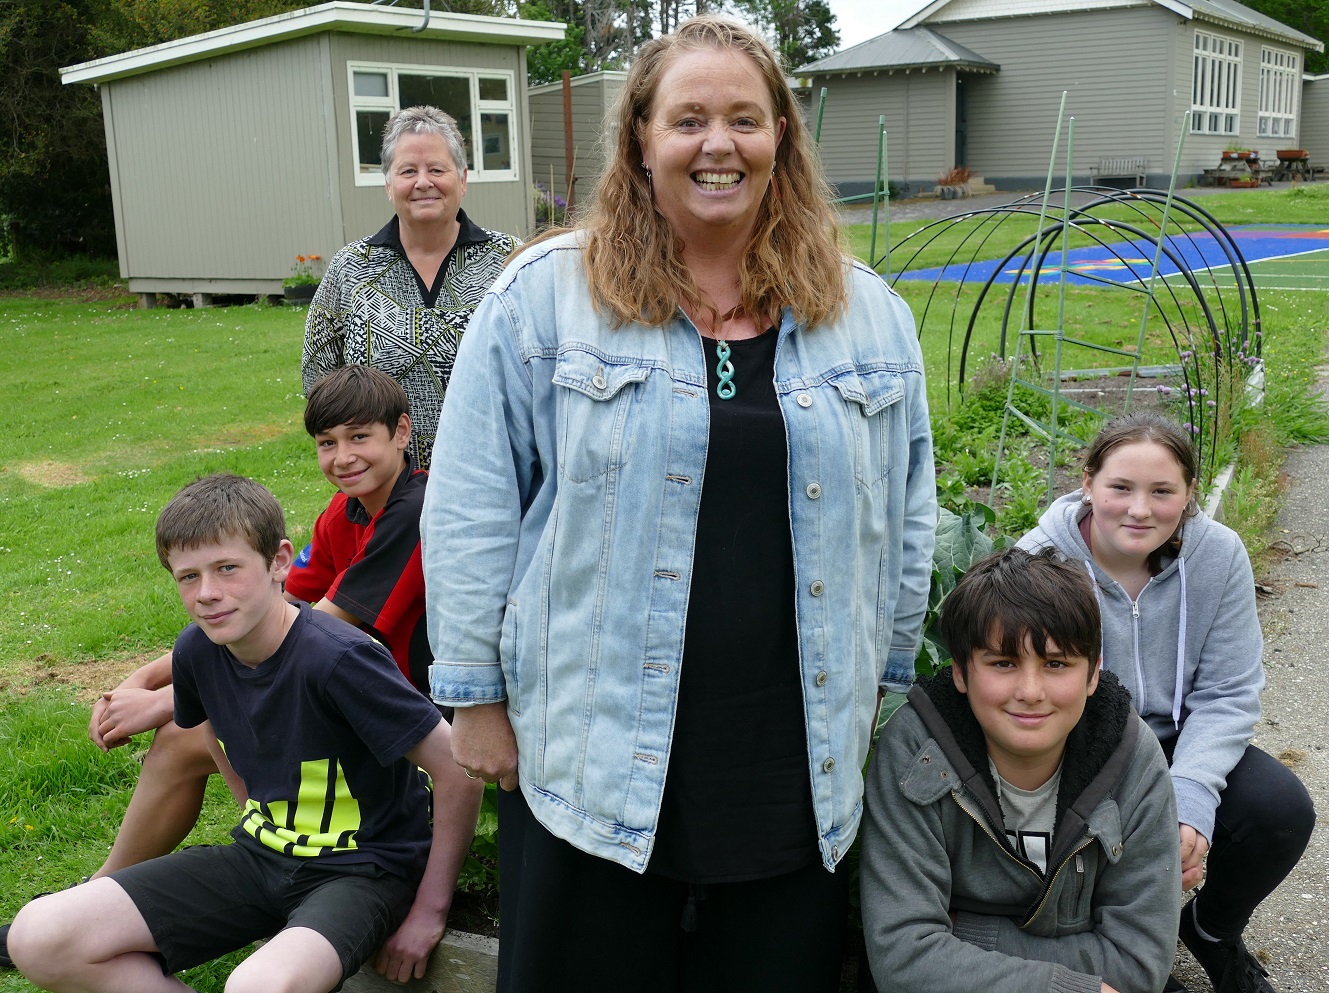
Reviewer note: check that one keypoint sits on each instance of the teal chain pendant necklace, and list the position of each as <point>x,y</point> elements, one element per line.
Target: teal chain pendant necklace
<point>724,369</point>
<point>725,388</point>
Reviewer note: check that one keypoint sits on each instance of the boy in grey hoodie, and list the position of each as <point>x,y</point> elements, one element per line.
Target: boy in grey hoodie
<point>1020,826</point>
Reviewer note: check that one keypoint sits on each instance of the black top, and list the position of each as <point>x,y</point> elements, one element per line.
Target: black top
<point>318,732</point>
<point>738,798</point>
<point>468,233</point>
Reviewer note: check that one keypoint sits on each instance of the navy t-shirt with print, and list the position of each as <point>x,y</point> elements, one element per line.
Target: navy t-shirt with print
<point>318,732</point>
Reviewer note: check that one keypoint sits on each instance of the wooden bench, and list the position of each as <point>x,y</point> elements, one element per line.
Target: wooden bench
<point>1121,168</point>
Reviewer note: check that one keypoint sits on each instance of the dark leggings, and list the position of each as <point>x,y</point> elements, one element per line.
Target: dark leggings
<point>1264,823</point>
<point>576,922</point>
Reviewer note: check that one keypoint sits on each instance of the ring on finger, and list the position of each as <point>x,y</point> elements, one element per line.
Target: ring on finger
<point>469,774</point>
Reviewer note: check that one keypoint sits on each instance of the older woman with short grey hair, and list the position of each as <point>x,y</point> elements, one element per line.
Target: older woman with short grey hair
<point>400,299</point>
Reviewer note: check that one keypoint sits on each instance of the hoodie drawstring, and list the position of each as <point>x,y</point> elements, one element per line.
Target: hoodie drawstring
<point>1181,646</point>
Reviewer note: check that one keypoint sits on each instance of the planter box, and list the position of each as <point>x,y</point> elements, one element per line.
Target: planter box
<point>1244,184</point>
<point>1291,154</point>
<point>1242,156</point>
<point>300,294</point>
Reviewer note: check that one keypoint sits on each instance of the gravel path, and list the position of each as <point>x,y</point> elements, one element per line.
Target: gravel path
<point>1289,930</point>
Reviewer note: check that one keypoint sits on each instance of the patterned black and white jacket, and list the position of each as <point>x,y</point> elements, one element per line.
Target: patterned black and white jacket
<point>372,308</point>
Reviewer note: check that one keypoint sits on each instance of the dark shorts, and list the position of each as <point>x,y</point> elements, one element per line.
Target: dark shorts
<point>205,901</point>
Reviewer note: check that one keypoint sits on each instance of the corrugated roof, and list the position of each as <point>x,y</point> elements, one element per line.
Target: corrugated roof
<point>1229,13</point>
<point>337,15</point>
<point>901,49</point>
<point>1237,15</point>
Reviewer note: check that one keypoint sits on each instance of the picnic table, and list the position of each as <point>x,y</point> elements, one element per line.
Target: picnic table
<point>1242,169</point>
<point>1295,165</point>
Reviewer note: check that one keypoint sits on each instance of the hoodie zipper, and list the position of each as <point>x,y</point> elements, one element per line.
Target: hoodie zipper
<point>1047,884</point>
<point>999,842</point>
<point>1135,647</point>
<point>1052,880</point>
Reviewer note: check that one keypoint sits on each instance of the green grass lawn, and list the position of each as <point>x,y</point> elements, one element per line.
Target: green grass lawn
<point>114,410</point>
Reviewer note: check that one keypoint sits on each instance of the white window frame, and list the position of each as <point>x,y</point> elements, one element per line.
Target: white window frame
<point>391,104</point>
<point>1216,84</point>
<point>1280,84</point>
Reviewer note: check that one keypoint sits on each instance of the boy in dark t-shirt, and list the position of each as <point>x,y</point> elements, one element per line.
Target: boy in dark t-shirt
<point>334,853</point>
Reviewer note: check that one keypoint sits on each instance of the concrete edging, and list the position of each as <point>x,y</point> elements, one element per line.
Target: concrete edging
<point>462,963</point>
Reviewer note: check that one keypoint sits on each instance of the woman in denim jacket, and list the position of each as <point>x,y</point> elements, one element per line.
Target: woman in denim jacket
<point>677,538</point>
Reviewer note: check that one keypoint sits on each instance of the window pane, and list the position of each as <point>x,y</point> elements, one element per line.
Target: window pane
<point>497,145</point>
<point>493,89</point>
<point>369,139</point>
<point>370,84</point>
<point>448,93</point>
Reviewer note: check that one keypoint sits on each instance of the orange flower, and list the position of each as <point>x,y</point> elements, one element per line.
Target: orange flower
<point>299,258</point>
<point>315,258</point>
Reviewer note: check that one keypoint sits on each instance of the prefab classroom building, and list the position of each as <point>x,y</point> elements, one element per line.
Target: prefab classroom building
<point>234,151</point>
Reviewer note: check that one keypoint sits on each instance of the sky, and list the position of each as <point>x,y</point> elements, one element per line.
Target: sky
<point>859,20</point>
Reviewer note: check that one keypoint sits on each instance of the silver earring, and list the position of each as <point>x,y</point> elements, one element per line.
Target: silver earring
<point>1086,499</point>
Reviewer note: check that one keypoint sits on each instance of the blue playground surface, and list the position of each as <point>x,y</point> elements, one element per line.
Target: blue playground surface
<point>1131,262</point>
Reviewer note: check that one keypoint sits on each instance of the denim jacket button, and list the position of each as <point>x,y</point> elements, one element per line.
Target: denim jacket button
<point>804,400</point>
<point>817,587</point>
<point>828,765</point>
<point>835,852</point>
<point>821,678</point>
<point>813,491</point>
<point>599,382</point>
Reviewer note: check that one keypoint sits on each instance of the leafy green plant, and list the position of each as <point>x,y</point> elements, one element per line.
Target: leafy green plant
<point>551,210</point>
<point>961,540</point>
<point>479,874</point>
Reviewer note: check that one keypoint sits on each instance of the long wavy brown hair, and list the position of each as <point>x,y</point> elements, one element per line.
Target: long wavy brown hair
<point>634,260</point>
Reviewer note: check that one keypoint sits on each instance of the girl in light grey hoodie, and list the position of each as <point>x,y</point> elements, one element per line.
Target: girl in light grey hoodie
<point>1181,633</point>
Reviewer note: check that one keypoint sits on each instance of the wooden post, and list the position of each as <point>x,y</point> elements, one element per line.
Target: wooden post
<point>569,150</point>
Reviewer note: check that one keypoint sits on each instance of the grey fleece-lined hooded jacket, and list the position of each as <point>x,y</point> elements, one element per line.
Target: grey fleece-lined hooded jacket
<point>1189,649</point>
<point>934,844</point>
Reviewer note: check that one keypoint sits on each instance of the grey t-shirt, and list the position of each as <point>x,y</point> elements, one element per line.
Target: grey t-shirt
<point>1030,816</point>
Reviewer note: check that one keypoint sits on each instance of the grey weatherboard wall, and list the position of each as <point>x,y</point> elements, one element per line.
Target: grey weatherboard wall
<point>593,98</point>
<point>1314,135</point>
<point>1127,71</point>
<point>224,169</point>
<point>914,102</point>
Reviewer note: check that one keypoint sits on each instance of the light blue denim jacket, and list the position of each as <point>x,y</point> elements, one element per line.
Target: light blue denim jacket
<point>560,519</point>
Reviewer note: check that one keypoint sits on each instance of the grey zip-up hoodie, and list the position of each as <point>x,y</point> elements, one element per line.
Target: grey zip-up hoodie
<point>1189,648</point>
<point>934,845</point>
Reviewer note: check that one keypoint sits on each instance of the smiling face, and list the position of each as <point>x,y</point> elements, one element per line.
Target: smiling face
<point>1026,705</point>
<point>233,595</point>
<point>1139,495</point>
<point>710,145</point>
<point>364,460</point>
<point>424,184</point>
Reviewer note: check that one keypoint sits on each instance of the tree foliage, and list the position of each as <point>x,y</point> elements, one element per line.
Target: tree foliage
<point>1307,16</point>
<point>802,31</point>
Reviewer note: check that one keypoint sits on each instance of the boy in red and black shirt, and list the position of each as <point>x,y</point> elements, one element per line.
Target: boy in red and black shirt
<point>363,564</point>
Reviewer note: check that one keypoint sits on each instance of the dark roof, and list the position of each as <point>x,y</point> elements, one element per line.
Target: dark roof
<point>902,49</point>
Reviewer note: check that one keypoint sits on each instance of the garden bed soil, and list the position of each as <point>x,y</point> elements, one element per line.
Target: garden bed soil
<point>1106,393</point>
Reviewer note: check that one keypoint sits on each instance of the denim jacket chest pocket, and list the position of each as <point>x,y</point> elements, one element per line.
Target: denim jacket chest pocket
<point>880,438</point>
<point>596,395</point>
